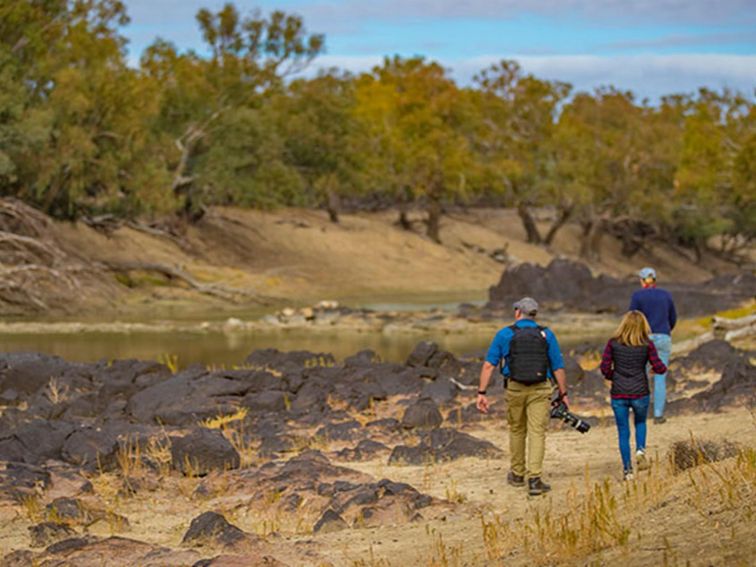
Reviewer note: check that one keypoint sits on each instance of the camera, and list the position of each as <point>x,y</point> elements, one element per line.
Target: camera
<point>560,411</point>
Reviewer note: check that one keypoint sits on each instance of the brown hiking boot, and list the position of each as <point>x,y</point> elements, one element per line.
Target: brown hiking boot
<point>515,479</point>
<point>660,420</point>
<point>536,486</point>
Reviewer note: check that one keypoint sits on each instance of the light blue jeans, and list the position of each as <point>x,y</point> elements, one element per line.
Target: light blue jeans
<point>621,408</point>
<point>663,345</point>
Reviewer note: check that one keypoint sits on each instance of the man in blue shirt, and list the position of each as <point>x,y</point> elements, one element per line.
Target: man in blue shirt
<point>657,305</point>
<point>529,357</point>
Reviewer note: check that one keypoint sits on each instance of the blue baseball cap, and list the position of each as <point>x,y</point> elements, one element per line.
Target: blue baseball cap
<point>647,272</point>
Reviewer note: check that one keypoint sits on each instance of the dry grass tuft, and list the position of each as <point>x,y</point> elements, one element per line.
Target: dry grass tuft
<point>695,452</point>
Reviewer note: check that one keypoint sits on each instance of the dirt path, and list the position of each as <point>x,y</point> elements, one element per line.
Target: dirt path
<point>571,460</point>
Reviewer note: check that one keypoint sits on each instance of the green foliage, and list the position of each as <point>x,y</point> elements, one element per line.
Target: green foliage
<point>82,132</point>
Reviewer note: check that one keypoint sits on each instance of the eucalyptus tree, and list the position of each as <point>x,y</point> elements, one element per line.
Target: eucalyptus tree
<point>414,118</point>
<point>518,113</point>
<point>248,57</point>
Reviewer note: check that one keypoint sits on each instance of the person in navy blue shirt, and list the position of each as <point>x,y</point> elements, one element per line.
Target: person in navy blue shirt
<point>530,358</point>
<point>659,308</point>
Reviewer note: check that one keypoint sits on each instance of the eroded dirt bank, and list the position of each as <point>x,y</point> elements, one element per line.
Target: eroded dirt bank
<point>239,260</point>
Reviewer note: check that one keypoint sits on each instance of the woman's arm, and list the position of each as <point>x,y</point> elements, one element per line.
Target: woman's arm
<point>607,361</point>
<point>653,358</point>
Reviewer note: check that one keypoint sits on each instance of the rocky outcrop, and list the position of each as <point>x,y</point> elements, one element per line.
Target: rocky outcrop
<point>564,283</point>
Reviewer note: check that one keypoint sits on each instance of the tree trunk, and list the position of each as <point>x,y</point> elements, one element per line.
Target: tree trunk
<point>433,222</point>
<point>593,230</point>
<point>565,212</point>
<point>404,221</point>
<point>333,206</point>
<point>531,230</point>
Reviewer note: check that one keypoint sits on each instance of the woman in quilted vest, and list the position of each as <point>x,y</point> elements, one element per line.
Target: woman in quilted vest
<point>626,356</point>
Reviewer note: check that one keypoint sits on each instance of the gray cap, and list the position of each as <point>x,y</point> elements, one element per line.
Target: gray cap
<point>647,273</point>
<point>526,305</point>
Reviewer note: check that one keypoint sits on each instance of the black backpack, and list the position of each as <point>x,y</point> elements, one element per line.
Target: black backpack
<point>528,355</point>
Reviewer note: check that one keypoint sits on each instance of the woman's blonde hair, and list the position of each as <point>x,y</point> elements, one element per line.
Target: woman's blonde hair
<point>633,330</point>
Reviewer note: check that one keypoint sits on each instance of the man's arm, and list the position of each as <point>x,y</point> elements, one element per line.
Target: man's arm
<point>557,364</point>
<point>485,378</point>
<point>561,378</point>
<point>672,314</point>
<point>634,303</point>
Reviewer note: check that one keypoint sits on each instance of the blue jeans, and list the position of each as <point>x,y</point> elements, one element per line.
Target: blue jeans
<point>663,345</point>
<point>621,408</point>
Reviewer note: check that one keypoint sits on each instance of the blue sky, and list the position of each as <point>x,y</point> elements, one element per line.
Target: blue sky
<point>651,47</point>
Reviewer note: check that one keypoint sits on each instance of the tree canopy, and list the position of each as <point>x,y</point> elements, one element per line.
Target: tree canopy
<point>84,133</point>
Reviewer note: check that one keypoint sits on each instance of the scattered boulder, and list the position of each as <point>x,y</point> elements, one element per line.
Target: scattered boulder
<point>21,480</point>
<point>422,353</point>
<point>211,528</point>
<point>443,445</point>
<point>201,451</point>
<point>345,431</point>
<point>266,401</point>
<point>362,359</point>
<point>329,522</point>
<point>92,448</point>
<point>48,533</point>
<point>442,390</point>
<point>365,450</point>
<point>423,413</point>
<point>35,442</point>
<point>564,283</point>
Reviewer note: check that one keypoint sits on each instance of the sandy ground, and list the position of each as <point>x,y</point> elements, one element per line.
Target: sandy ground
<point>665,516</point>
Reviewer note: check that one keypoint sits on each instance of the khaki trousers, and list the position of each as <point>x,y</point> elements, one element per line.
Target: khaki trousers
<point>528,410</point>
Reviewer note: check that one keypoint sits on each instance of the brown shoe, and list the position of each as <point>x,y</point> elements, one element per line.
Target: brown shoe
<point>536,486</point>
<point>515,479</point>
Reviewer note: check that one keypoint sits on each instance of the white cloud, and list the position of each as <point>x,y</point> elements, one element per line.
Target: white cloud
<point>621,11</point>
<point>646,75</point>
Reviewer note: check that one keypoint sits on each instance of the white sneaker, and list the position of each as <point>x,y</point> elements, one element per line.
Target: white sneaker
<point>641,460</point>
<point>628,475</point>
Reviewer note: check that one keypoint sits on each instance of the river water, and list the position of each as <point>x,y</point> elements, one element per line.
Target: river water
<point>229,349</point>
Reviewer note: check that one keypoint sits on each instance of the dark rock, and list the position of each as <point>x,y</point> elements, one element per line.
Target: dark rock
<point>423,413</point>
<point>211,528</point>
<point>273,445</point>
<point>418,455</point>
<point>92,448</point>
<point>346,431</point>
<point>388,424</point>
<point>47,533</point>
<point>35,442</point>
<point>311,398</point>
<point>362,359</point>
<point>202,451</point>
<point>736,387</point>
<point>68,545</point>
<point>19,480</point>
<point>443,445</point>
<point>422,353</point>
<point>571,284</point>
<point>274,359</point>
<point>330,521</point>
<point>711,355</point>
<point>441,391</point>
<point>24,373</point>
<point>70,511</point>
<point>365,450</point>
<point>268,401</point>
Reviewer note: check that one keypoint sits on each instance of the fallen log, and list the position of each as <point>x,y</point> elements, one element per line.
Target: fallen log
<point>173,272</point>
